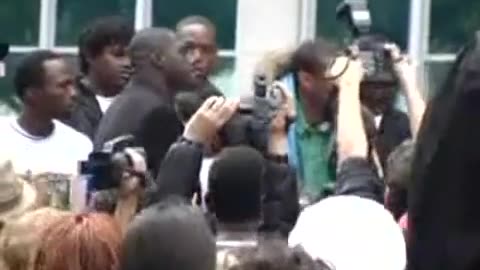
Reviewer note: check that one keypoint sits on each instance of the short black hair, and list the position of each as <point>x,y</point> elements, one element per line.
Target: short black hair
<point>196,19</point>
<point>31,71</point>
<point>274,254</point>
<point>101,33</point>
<point>169,235</point>
<point>235,184</point>
<point>313,56</point>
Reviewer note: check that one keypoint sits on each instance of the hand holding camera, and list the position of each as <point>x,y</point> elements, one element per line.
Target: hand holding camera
<point>286,110</point>
<point>209,119</point>
<point>353,75</point>
<point>131,183</point>
<point>402,65</point>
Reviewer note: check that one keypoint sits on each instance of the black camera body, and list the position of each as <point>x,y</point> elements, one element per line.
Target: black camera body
<point>250,125</point>
<point>376,59</point>
<point>105,168</point>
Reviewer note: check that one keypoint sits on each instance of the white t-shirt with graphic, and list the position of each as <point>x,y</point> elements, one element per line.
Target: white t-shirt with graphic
<point>59,153</point>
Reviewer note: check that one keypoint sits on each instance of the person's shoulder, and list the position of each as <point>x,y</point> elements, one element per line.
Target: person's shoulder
<point>74,136</point>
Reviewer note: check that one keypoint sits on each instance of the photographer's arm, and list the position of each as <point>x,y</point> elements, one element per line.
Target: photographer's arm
<point>408,82</point>
<point>280,202</point>
<point>128,200</point>
<point>351,137</point>
<point>355,176</point>
<point>179,171</point>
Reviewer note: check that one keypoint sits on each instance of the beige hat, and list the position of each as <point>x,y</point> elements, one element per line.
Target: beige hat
<point>16,195</point>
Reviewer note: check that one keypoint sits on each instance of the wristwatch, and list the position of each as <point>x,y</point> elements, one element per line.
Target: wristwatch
<point>190,142</point>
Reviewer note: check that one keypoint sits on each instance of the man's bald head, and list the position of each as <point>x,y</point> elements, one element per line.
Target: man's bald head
<point>150,41</point>
<point>157,52</point>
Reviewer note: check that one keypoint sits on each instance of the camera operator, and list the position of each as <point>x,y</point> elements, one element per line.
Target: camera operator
<point>278,182</point>
<point>393,126</point>
<point>311,137</point>
<point>351,229</point>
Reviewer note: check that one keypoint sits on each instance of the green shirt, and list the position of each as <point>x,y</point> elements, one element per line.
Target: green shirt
<point>315,148</point>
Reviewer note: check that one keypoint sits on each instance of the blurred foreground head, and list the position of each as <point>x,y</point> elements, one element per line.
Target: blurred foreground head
<point>169,235</point>
<point>80,242</point>
<point>235,180</point>
<point>20,238</point>
<point>443,211</point>
<point>270,255</point>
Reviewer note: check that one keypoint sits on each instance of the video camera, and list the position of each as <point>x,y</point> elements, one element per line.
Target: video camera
<point>105,168</point>
<point>376,59</point>
<point>250,125</point>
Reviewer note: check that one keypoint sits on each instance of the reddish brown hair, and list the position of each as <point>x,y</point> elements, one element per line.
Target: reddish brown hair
<point>80,242</point>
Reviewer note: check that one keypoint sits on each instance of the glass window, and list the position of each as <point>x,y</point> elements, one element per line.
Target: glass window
<point>8,98</point>
<point>20,21</point>
<point>437,74</point>
<point>452,23</point>
<point>389,18</point>
<point>223,13</point>
<point>74,15</point>
<point>224,76</point>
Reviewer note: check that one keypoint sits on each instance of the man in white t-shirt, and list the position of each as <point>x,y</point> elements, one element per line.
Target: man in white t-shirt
<point>36,142</point>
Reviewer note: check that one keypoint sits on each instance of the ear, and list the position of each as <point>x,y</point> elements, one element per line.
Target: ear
<point>31,94</point>
<point>306,80</point>
<point>157,60</point>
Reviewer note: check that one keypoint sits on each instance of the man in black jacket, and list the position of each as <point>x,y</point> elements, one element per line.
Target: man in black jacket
<point>144,109</point>
<point>105,69</point>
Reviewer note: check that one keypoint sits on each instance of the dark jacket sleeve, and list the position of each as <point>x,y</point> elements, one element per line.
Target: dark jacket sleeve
<point>280,201</point>
<point>394,130</point>
<point>86,113</point>
<point>158,130</point>
<point>179,171</point>
<point>357,177</point>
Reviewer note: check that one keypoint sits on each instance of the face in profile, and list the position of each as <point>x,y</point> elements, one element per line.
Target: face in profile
<point>177,68</point>
<point>200,49</point>
<point>55,97</point>
<point>112,68</point>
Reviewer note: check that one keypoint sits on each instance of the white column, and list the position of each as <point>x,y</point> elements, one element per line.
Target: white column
<point>263,25</point>
<point>419,37</point>
<point>143,14</point>
<point>48,23</point>
<point>308,19</point>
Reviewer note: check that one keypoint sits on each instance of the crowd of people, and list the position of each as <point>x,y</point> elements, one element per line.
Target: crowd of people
<point>346,180</point>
